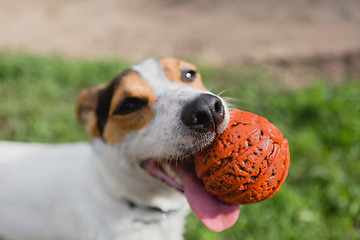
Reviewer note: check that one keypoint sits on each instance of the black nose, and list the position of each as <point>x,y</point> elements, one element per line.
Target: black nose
<point>203,113</point>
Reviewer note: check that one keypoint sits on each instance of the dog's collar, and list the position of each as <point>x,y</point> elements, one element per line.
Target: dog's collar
<point>159,214</point>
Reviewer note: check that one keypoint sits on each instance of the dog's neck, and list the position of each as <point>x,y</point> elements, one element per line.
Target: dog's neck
<point>119,175</point>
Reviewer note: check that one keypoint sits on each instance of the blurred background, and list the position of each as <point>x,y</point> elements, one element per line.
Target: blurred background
<point>295,62</point>
<point>296,37</point>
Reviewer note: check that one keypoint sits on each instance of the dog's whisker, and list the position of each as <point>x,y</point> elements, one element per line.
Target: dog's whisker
<point>223,91</point>
<point>210,88</point>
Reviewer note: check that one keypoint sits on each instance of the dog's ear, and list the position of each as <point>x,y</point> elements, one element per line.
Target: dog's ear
<point>86,105</point>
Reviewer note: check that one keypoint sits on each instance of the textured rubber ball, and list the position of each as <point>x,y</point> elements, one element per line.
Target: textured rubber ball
<point>247,163</point>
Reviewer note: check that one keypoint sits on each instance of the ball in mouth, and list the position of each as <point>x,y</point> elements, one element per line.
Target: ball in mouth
<point>247,163</point>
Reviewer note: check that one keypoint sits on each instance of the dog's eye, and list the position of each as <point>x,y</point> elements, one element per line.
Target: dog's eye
<point>188,75</point>
<point>129,105</point>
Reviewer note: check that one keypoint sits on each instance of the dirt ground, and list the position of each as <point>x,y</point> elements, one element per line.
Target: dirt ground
<point>294,37</point>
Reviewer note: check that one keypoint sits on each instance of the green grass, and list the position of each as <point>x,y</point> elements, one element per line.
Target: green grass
<point>321,196</point>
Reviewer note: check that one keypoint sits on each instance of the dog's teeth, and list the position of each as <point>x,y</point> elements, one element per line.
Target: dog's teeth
<point>171,173</point>
<point>178,181</point>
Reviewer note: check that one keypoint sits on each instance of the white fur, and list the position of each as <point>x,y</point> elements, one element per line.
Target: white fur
<point>80,191</point>
<point>65,192</point>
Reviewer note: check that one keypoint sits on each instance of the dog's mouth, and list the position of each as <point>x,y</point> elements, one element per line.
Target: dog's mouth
<point>180,175</point>
<point>164,170</point>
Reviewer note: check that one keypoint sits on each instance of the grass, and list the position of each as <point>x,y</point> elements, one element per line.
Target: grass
<point>319,200</point>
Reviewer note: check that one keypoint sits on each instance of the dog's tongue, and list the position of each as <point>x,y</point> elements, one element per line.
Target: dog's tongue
<point>214,214</point>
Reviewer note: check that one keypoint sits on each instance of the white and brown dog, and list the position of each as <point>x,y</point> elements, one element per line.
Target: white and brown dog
<point>133,181</point>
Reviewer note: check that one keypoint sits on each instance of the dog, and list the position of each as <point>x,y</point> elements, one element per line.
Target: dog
<point>136,179</point>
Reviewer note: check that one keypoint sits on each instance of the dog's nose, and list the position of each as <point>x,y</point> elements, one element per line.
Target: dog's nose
<point>203,113</point>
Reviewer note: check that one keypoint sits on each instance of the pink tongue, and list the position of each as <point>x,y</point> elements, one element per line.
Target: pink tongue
<point>214,214</point>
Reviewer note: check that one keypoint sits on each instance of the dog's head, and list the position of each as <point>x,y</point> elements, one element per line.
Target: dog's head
<point>156,109</point>
<point>155,115</point>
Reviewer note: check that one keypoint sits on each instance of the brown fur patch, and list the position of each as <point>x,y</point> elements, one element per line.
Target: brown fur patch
<point>85,109</point>
<point>173,67</point>
<point>118,126</point>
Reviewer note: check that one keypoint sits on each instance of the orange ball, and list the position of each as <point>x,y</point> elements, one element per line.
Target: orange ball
<point>247,163</point>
